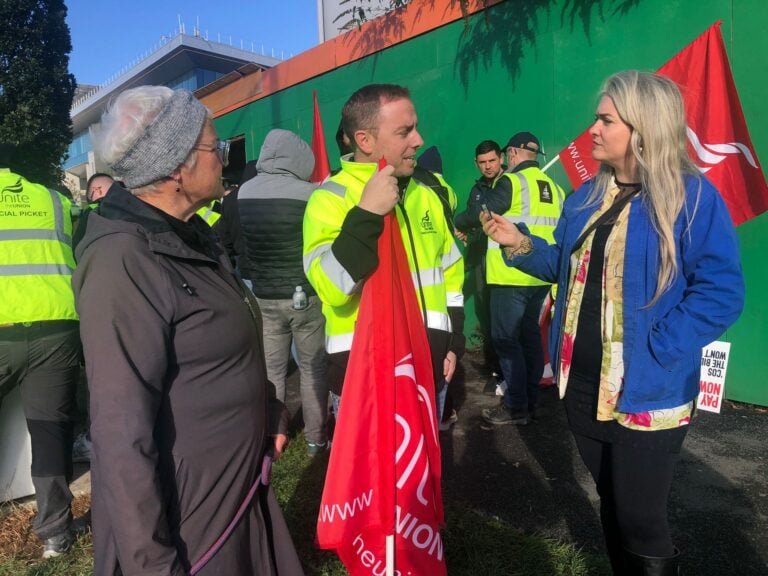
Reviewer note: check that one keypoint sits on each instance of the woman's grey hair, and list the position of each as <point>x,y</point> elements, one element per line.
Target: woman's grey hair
<point>148,132</point>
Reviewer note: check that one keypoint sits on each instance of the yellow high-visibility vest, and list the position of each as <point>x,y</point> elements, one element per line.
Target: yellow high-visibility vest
<point>36,261</point>
<point>537,202</point>
<point>210,212</point>
<point>426,237</point>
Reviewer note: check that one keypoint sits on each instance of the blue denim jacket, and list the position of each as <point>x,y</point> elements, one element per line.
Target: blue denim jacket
<point>662,343</point>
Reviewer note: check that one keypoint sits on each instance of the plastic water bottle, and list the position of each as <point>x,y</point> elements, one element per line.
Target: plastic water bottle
<point>299,299</point>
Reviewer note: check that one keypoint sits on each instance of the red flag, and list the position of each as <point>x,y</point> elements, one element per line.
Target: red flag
<point>577,160</point>
<point>322,166</point>
<point>384,472</point>
<point>718,138</point>
<point>545,321</point>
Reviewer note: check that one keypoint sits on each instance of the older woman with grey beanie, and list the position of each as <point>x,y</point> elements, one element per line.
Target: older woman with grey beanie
<point>183,418</point>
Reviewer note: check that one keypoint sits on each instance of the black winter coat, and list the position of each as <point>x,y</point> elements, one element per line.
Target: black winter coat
<point>180,415</point>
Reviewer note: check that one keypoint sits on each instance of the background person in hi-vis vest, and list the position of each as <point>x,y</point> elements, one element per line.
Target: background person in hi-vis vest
<point>516,297</point>
<point>40,341</point>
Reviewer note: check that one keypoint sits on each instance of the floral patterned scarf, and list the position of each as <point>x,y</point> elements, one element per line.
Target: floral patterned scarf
<point>612,321</point>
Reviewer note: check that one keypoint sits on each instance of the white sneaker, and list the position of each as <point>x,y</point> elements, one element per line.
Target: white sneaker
<point>501,388</point>
<point>81,449</point>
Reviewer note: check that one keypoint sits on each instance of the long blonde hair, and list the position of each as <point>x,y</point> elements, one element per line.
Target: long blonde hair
<point>653,108</point>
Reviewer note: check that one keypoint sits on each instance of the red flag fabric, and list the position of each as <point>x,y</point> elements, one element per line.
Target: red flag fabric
<point>577,160</point>
<point>545,321</point>
<point>384,472</point>
<point>322,166</point>
<point>718,139</point>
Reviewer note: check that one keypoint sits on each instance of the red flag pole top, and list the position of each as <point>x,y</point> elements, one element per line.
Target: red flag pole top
<point>383,476</point>
<point>322,167</point>
<point>718,138</point>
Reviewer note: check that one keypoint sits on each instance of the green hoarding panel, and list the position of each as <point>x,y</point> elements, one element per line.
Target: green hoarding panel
<point>538,66</point>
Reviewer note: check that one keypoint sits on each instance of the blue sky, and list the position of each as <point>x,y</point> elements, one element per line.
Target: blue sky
<point>108,34</point>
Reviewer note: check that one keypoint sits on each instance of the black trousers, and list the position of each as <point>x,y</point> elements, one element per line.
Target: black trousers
<point>633,482</point>
<point>43,358</point>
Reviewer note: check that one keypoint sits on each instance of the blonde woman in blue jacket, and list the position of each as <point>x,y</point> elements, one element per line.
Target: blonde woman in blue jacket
<point>648,261</point>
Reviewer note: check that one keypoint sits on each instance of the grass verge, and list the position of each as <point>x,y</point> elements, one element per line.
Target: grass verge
<point>474,544</point>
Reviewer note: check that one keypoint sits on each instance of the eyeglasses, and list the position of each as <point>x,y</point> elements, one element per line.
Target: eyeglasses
<point>221,149</point>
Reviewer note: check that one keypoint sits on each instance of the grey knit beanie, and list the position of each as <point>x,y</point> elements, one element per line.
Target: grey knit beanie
<point>165,144</point>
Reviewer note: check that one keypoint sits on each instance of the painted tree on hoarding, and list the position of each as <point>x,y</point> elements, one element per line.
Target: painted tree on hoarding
<point>36,88</point>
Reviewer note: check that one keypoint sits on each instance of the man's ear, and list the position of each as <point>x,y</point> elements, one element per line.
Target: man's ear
<point>365,141</point>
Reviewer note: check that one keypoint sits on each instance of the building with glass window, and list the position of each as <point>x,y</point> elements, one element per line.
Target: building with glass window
<point>182,61</point>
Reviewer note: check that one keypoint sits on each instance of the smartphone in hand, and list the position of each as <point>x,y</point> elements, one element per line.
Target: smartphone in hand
<point>486,213</point>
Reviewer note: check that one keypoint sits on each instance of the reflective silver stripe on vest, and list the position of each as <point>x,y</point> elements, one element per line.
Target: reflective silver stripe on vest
<point>452,257</point>
<point>454,298</point>
<point>534,220</point>
<point>35,269</point>
<point>334,187</point>
<point>58,213</point>
<point>528,221</point>
<point>429,277</point>
<point>332,268</point>
<point>525,206</point>
<point>336,273</point>
<point>343,342</point>
<point>438,321</point>
<point>35,234</point>
<point>58,233</point>
<point>316,253</point>
<point>207,214</point>
<point>338,343</point>
<point>525,196</point>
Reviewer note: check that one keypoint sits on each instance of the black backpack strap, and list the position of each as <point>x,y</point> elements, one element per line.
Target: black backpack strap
<point>429,179</point>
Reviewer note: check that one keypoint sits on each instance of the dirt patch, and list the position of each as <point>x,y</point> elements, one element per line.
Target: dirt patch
<point>17,541</point>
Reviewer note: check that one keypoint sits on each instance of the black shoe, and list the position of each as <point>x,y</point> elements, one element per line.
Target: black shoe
<point>315,448</point>
<point>61,543</point>
<point>501,415</point>
<point>638,565</point>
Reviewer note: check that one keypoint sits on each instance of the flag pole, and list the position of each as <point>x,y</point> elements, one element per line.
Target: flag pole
<point>551,163</point>
<point>390,539</point>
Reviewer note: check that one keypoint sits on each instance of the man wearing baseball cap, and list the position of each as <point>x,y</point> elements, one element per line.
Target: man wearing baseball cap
<point>531,197</point>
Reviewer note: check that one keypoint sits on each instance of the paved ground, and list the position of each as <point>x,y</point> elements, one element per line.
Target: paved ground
<point>533,478</point>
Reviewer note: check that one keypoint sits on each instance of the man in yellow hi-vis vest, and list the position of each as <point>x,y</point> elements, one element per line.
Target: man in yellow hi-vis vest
<point>523,194</point>
<point>40,341</point>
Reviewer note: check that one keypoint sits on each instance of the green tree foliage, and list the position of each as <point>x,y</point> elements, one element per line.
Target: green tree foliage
<point>36,88</point>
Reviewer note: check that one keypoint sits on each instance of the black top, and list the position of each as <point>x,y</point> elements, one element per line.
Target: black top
<point>581,396</point>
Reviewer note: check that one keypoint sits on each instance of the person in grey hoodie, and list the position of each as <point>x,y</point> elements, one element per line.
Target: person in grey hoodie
<point>271,210</point>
